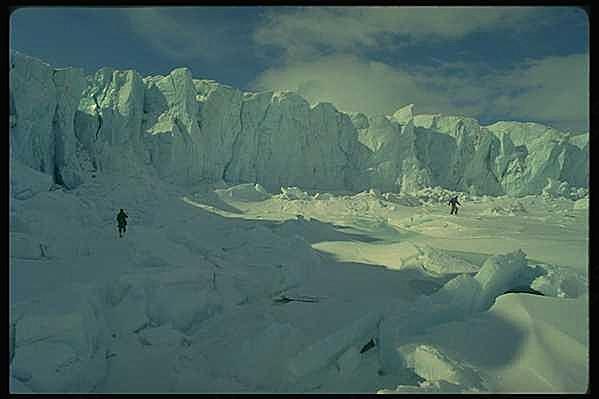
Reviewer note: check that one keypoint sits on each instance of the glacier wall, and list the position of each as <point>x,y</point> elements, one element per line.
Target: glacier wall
<point>71,126</point>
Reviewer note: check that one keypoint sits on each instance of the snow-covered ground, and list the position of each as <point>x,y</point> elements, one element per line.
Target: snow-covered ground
<point>234,289</point>
<point>263,288</point>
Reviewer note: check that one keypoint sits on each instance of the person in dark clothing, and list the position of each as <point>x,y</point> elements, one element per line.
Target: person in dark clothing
<point>454,202</point>
<point>121,219</point>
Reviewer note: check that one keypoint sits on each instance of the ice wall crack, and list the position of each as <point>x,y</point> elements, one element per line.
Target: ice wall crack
<point>235,145</point>
<point>98,114</point>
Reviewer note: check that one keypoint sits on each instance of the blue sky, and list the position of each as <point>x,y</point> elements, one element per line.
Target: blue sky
<point>490,63</point>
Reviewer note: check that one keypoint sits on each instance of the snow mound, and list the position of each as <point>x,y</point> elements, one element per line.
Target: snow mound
<point>125,307</point>
<point>364,202</point>
<point>498,274</point>
<point>460,294</point>
<point>562,189</point>
<point>560,282</point>
<point>324,196</point>
<point>26,182</point>
<point>262,357</point>
<point>321,353</point>
<point>540,330</point>
<point>440,262</point>
<point>61,352</point>
<point>26,247</point>
<point>404,199</point>
<point>182,303</point>
<point>245,192</point>
<point>438,195</point>
<point>434,365</point>
<point>582,203</point>
<point>294,193</point>
<point>513,208</point>
<point>429,387</point>
<point>178,297</point>
<point>455,339</point>
<point>164,335</point>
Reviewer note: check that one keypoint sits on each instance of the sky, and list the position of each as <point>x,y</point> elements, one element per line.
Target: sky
<point>492,63</point>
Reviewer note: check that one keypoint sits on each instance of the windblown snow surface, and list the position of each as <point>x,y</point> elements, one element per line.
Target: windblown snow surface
<point>233,286</point>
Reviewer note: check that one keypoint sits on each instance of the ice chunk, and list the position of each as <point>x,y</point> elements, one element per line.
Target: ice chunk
<point>434,365</point>
<point>513,208</point>
<point>404,114</point>
<point>262,357</point>
<point>294,193</point>
<point>129,315</point>
<point>63,352</point>
<point>245,192</point>
<point>324,196</point>
<point>181,304</point>
<point>498,274</point>
<point>26,247</point>
<point>429,387</point>
<point>441,262</point>
<point>582,203</point>
<point>26,182</point>
<point>555,188</point>
<point>461,292</point>
<point>163,335</point>
<point>320,353</point>
<point>560,282</point>
<point>466,294</point>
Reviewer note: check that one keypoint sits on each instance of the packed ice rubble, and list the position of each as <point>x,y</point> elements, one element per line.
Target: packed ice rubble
<point>557,189</point>
<point>173,310</point>
<point>153,291</point>
<point>72,126</point>
<point>582,203</point>
<point>559,282</point>
<point>460,300</point>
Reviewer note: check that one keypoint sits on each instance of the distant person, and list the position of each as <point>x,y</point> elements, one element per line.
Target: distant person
<point>454,202</point>
<point>121,219</point>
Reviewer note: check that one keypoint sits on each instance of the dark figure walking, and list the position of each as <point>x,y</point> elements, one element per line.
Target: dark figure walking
<point>454,202</point>
<point>121,219</point>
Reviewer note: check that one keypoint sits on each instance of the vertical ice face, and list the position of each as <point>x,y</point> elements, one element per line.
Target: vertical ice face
<point>392,160</point>
<point>172,139</point>
<point>276,139</point>
<point>43,102</point>
<point>188,130</point>
<point>34,103</point>
<point>108,120</point>
<point>68,168</point>
<point>531,153</point>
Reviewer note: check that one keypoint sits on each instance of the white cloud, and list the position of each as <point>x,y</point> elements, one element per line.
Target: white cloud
<point>555,90</point>
<point>352,84</point>
<point>551,90</point>
<point>303,32</point>
<point>324,61</point>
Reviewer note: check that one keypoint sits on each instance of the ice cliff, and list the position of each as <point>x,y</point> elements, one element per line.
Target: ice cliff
<point>71,127</point>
